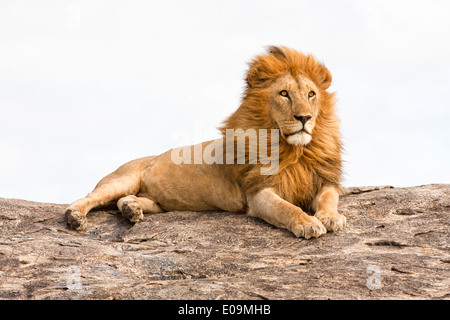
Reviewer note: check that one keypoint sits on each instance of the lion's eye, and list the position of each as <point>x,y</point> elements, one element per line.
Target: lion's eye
<point>284,93</point>
<point>311,94</point>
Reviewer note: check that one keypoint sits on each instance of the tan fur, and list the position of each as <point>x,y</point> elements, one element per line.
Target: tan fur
<point>308,175</point>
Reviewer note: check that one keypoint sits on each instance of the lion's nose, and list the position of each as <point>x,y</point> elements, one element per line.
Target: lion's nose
<point>303,119</point>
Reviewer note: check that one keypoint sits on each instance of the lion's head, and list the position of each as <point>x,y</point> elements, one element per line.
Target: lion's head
<point>287,90</point>
<point>292,86</point>
<point>293,105</point>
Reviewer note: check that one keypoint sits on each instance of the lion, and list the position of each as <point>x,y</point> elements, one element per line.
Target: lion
<point>286,93</point>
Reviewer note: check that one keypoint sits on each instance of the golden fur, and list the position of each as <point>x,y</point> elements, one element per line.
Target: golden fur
<point>286,90</point>
<point>303,170</point>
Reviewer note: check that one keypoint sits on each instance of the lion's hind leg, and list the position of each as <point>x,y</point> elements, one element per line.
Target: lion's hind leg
<point>108,190</point>
<point>133,208</point>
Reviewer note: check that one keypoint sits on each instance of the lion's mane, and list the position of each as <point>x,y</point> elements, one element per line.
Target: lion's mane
<point>303,170</point>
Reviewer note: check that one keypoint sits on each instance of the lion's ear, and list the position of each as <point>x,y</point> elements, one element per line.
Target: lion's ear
<point>252,76</point>
<point>324,77</point>
<point>255,75</point>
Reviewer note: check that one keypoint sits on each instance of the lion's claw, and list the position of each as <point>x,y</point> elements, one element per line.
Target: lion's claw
<point>333,221</point>
<point>132,211</point>
<point>76,220</point>
<point>309,227</point>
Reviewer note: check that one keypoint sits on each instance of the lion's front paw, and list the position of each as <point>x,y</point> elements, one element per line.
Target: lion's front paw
<point>307,227</point>
<point>332,220</point>
<point>76,220</point>
<point>131,209</point>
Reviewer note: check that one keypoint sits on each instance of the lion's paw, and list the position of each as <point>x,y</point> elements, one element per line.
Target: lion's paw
<point>332,220</point>
<point>76,220</point>
<point>131,209</point>
<point>308,227</point>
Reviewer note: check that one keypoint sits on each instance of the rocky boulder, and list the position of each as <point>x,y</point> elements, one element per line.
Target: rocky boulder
<point>395,246</point>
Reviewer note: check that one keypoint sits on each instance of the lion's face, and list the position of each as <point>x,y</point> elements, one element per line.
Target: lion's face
<point>294,106</point>
<point>286,90</point>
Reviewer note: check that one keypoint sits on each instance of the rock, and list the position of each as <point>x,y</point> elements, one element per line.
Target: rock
<point>395,246</point>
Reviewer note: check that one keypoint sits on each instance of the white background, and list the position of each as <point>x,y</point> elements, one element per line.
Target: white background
<point>88,85</point>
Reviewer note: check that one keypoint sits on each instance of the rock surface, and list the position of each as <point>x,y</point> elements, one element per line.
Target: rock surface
<point>396,246</point>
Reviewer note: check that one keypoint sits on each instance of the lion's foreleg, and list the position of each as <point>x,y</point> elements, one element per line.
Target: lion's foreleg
<point>267,205</point>
<point>326,207</point>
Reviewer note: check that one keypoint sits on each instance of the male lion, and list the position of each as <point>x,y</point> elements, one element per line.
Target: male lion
<point>286,90</point>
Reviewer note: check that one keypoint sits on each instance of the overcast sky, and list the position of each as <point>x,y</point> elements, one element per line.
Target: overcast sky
<point>87,85</point>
